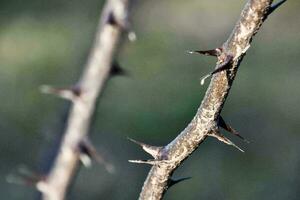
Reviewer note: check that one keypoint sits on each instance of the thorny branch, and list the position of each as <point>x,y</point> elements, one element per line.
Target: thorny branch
<point>207,120</point>
<point>84,96</point>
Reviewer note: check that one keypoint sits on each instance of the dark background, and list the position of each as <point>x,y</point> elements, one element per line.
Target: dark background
<point>47,42</point>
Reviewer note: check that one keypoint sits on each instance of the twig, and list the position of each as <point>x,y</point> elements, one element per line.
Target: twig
<point>205,122</point>
<point>97,71</point>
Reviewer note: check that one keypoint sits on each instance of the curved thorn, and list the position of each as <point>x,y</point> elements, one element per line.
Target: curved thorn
<point>275,6</point>
<point>152,150</point>
<point>203,78</point>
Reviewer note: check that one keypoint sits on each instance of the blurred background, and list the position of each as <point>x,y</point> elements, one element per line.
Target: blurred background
<point>47,42</point>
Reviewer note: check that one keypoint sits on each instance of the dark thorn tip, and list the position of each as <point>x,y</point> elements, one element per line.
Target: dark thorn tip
<point>173,182</point>
<point>274,6</point>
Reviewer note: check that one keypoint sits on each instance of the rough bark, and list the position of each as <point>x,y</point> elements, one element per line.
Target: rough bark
<point>84,96</point>
<point>205,122</point>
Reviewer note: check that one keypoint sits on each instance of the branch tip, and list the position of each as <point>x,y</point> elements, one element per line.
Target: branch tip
<point>154,151</point>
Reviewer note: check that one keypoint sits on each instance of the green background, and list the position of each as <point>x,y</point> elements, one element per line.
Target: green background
<point>47,42</point>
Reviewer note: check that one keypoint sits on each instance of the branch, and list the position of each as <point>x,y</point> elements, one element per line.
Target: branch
<point>97,70</point>
<point>205,122</point>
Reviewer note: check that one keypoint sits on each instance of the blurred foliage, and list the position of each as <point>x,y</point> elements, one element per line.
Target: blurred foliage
<point>47,42</point>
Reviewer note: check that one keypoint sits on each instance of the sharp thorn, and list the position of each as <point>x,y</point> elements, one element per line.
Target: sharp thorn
<point>173,182</point>
<point>225,140</point>
<point>152,150</point>
<point>24,177</point>
<point>275,6</point>
<point>123,24</point>
<point>111,19</point>
<point>213,52</point>
<point>14,179</point>
<point>116,69</point>
<point>228,128</point>
<point>65,93</point>
<point>85,160</point>
<point>149,162</point>
<point>88,153</point>
<point>224,65</point>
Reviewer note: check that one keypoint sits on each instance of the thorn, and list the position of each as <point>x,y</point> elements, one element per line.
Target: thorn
<point>222,138</point>
<point>88,153</point>
<point>65,93</point>
<point>173,182</point>
<point>124,24</point>
<point>111,19</point>
<point>214,52</point>
<point>275,6</point>
<point>85,160</point>
<point>149,162</point>
<point>224,66</point>
<point>152,150</point>
<point>228,128</point>
<point>116,69</point>
<point>25,177</point>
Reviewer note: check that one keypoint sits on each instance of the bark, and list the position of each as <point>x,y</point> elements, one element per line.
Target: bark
<point>84,97</point>
<point>206,121</point>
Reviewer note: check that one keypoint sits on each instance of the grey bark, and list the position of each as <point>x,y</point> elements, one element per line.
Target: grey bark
<point>205,122</point>
<point>83,97</point>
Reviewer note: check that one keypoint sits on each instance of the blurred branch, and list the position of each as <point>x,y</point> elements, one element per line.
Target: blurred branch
<point>207,119</point>
<point>84,96</point>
